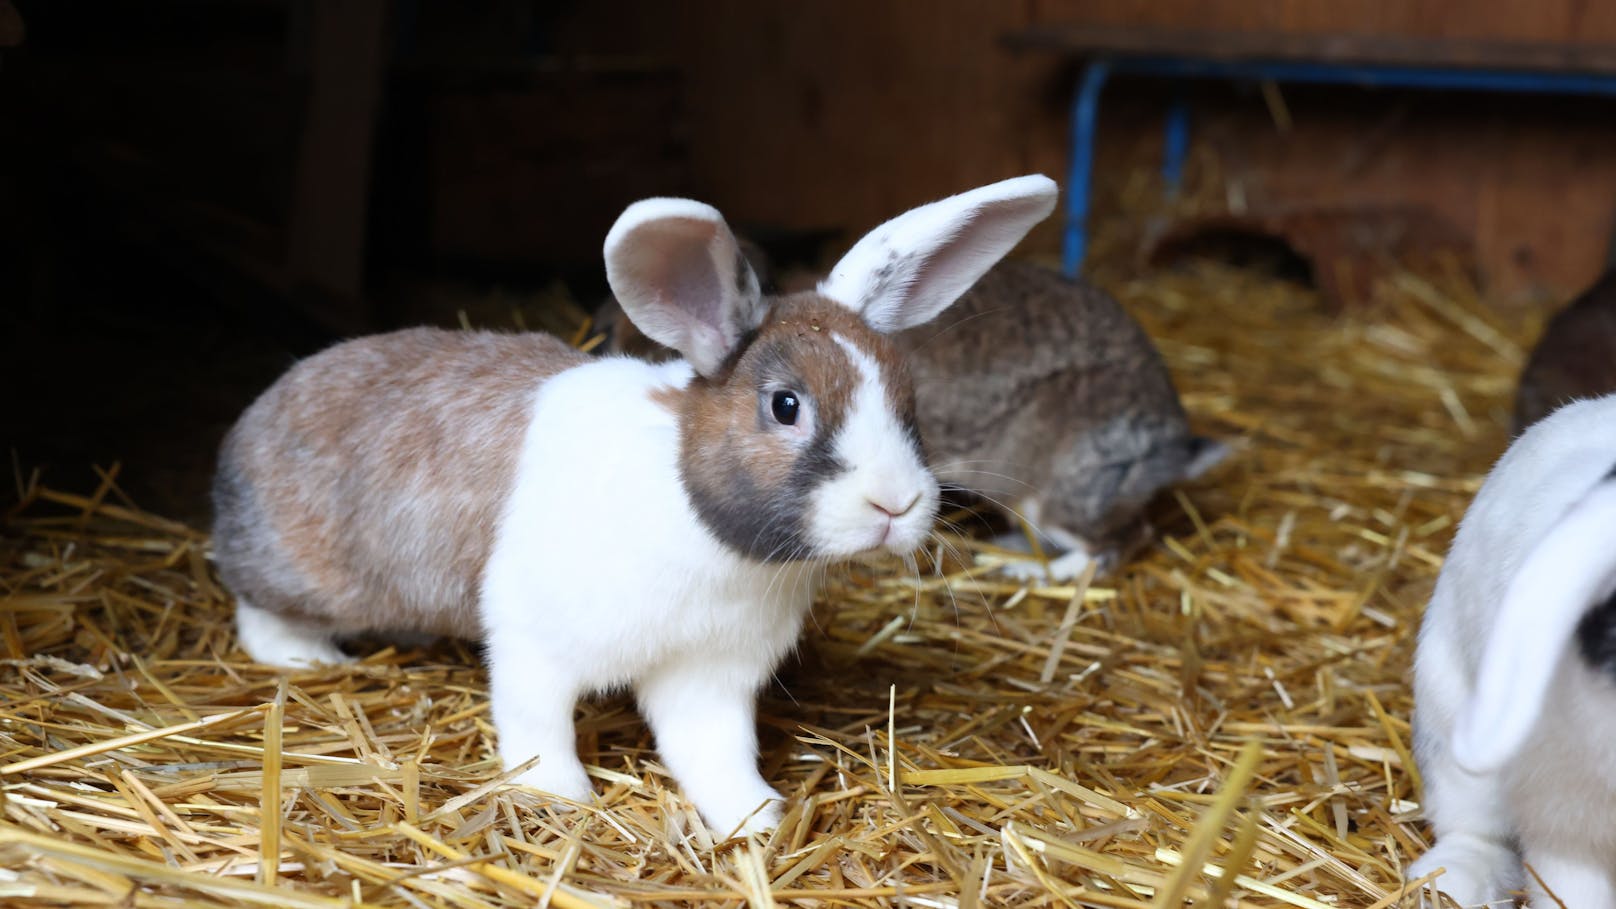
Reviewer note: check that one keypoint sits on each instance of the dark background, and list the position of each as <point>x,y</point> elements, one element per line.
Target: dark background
<point>193,193</point>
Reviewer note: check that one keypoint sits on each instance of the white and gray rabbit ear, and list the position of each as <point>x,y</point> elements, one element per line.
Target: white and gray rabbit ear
<point>680,276</point>
<point>911,268</point>
<point>1563,575</point>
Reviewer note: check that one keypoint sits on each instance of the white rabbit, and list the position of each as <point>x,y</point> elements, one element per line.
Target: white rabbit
<point>1515,675</point>
<point>610,523</point>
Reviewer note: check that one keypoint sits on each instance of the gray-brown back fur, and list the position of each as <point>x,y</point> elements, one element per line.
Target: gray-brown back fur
<point>363,488</point>
<point>1035,386</point>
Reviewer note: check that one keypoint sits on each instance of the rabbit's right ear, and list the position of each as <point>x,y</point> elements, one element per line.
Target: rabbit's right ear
<point>681,278</point>
<point>911,268</point>
<point>1561,578</point>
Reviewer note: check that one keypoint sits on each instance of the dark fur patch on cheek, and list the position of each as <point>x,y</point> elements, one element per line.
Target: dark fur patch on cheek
<point>1596,637</point>
<point>818,463</point>
<point>737,470</point>
<point>741,513</point>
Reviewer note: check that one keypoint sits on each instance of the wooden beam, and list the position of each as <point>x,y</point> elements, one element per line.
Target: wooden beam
<point>11,27</point>
<point>331,190</point>
<point>1339,48</point>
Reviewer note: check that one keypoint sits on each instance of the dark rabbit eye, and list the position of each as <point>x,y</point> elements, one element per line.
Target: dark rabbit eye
<point>785,407</point>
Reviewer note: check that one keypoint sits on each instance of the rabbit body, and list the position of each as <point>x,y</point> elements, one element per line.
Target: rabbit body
<point>1515,695</point>
<point>610,523</point>
<point>1042,394</point>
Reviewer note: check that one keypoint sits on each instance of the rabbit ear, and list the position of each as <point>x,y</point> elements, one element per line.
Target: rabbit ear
<point>911,268</point>
<point>679,275</point>
<point>1561,578</point>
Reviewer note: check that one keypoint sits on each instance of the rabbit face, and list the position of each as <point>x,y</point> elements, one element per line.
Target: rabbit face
<point>806,447</point>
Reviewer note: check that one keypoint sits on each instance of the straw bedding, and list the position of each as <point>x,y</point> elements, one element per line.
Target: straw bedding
<point>1224,720</point>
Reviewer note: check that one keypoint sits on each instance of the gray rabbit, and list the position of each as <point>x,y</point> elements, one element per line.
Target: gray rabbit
<point>1042,395</point>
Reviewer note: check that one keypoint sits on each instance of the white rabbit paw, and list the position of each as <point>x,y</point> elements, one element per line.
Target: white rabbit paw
<point>277,640</point>
<point>756,812</point>
<point>564,779</point>
<point>1478,872</point>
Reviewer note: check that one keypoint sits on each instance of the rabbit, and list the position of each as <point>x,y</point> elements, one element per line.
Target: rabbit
<point>602,523</point>
<point>1515,675</point>
<point>1044,396</point>
<point>1575,358</point>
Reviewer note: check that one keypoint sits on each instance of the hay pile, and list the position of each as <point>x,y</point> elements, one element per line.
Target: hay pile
<point>1227,718</point>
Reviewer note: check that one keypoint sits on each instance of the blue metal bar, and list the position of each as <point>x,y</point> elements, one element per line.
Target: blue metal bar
<point>1085,111</point>
<point>1175,143</point>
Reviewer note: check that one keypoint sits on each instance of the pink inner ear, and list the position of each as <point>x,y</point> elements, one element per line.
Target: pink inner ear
<point>680,266</point>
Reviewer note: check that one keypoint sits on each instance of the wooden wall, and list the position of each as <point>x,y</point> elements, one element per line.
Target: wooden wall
<point>839,113</point>
<point>1587,22</point>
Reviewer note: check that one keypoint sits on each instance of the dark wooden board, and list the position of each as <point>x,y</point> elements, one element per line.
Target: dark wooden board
<point>1334,48</point>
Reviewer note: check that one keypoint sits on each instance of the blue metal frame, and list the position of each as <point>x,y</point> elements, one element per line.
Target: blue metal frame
<point>1175,143</point>
<point>1086,106</point>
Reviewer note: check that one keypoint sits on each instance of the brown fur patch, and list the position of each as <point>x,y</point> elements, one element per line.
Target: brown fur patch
<point>363,488</point>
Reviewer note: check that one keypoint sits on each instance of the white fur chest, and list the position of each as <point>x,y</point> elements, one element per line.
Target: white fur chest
<point>601,564</point>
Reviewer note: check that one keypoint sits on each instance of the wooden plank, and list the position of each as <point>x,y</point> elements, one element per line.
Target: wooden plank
<point>532,166</point>
<point>1567,21</point>
<point>1338,48</point>
<point>11,27</point>
<point>326,233</point>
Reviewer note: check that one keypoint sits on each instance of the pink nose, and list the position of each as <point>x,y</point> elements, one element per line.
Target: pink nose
<point>893,512</point>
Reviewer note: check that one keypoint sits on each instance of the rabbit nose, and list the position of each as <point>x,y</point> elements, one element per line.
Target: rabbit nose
<point>891,511</point>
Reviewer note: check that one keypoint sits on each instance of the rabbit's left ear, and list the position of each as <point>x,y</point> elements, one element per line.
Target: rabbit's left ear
<point>1562,577</point>
<point>908,270</point>
<point>679,274</point>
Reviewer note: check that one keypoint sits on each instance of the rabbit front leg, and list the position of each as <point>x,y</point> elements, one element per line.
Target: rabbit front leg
<point>1473,840</point>
<point>703,714</point>
<point>1468,811</point>
<point>532,701</point>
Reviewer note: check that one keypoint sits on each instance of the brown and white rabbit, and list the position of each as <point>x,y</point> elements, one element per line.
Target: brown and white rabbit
<point>1043,395</point>
<point>1575,358</point>
<point>609,523</point>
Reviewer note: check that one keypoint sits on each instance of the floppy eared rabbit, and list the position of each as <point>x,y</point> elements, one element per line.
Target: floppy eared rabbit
<point>1043,395</point>
<point>601,523</point>
<point>1515,675</point>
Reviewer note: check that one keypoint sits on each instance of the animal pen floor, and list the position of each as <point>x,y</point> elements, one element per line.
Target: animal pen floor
<point>1224,719</point>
